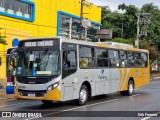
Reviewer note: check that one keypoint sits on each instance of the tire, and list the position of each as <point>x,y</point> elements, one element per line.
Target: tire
<point>47,102</point>
<point>130,90</point>
<point>83,95</point>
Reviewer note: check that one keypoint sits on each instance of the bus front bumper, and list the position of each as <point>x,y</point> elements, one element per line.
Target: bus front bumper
<point>54,95</point>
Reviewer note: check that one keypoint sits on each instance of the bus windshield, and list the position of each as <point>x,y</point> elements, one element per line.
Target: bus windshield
<point>38,63</point>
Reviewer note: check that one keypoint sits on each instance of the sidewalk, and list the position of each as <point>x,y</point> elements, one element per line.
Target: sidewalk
<point>4,96</point>
<point>157,74</point>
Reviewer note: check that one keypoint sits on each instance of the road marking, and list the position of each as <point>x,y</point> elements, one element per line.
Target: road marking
<point>146,118</point>
<point>74,108</point>
<point>135,95</point>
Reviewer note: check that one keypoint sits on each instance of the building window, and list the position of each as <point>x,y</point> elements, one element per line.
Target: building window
<point>17,9</point>
<point>69,26</point>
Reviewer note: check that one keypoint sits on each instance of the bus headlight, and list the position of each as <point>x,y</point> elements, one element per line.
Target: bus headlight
<point>50,88</point>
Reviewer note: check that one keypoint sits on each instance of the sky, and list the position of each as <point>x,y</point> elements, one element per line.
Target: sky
<point>113,4</point>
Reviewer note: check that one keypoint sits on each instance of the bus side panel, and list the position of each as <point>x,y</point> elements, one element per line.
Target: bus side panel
<point>141,77</point>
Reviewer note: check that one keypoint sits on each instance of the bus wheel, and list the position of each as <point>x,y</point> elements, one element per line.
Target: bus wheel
<point>83,95</point>
<point>47,102</point>
<point>130,90</point>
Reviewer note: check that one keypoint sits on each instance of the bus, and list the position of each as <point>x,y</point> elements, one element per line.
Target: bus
<point>10,69</point>
<point>58,69</point>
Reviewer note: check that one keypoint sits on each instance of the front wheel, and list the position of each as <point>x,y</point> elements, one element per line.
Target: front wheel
<point>130,90</point>
<point>83,95</point>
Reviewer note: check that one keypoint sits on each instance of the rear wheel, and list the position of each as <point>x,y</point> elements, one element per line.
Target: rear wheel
<point>47,102</point>
<point>83,95</point>
<point>130,90</point>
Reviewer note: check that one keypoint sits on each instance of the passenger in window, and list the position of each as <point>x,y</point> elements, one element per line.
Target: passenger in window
<point>91,62</point>
<point>83,63</point>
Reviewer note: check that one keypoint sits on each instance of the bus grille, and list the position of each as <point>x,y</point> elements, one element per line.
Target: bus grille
<point>35,93</point>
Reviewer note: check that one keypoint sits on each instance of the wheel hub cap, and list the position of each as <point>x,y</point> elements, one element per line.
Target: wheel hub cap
<point>83,95</point>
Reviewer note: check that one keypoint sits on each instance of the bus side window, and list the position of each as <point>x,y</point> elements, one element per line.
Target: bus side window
<point>144,59</point>
<point>87,57</point>
<point>138,60</point>
<point>114,58</point>
<point>69,59</point>
<point>131,61</point>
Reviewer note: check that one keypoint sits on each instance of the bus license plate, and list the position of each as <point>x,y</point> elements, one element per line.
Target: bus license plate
<point>31,94</point>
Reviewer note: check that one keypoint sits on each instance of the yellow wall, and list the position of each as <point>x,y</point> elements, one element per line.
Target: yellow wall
<point>45,23</point>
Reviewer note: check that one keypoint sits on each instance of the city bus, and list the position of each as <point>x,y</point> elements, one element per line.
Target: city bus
<point>10,69</point>
<point>58,69</point>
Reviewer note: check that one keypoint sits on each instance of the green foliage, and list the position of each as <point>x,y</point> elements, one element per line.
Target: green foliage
<point>2,40</point>
<point>151,47</point>
<point>121,40</point>
<point>128,19</point>
<point>115,20</point>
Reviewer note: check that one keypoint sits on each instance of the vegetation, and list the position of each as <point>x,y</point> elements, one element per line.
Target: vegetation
<point>2,40</point>
<point>128,21</point>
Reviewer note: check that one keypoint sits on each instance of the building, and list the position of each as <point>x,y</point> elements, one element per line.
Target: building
<point>20,19</point>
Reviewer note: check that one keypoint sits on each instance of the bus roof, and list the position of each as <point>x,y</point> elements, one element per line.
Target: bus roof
<point>113,45</point>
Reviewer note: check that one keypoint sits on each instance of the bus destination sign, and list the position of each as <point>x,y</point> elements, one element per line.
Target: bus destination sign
<point>39,43</point>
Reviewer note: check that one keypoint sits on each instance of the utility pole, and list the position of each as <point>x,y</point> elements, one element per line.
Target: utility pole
<point>81,18</point>
<point>141,22</point>
<point>122,31</point>
<point>137,40</point>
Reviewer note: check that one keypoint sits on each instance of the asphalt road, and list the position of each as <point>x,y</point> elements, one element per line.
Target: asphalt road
<point>144,99</point>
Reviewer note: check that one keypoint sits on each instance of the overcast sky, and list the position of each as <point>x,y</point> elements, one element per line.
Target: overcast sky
<point>113,4</point>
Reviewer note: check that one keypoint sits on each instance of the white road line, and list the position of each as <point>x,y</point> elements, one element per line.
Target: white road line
<point>74,108</point>
<point>146,118</point>
<point>135,95</point>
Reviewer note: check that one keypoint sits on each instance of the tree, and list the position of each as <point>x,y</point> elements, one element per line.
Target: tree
<point>2,40</point>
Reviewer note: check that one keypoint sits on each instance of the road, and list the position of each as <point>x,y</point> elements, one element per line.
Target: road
<point>144,99</point>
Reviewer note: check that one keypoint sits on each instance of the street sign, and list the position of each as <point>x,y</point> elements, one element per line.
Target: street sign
<point>104,34</point>
<point>15,42</point>
<point>136,43</point>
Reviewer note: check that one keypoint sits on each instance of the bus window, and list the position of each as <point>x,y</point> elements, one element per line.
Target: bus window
<point>130,61</point>
<point>114,58</point>
<point>102,57</point>
<point>87,59</point>
<point>144,59</point>
<point>137,57</point>
<point>69,59</point>
<point>123,56</point>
